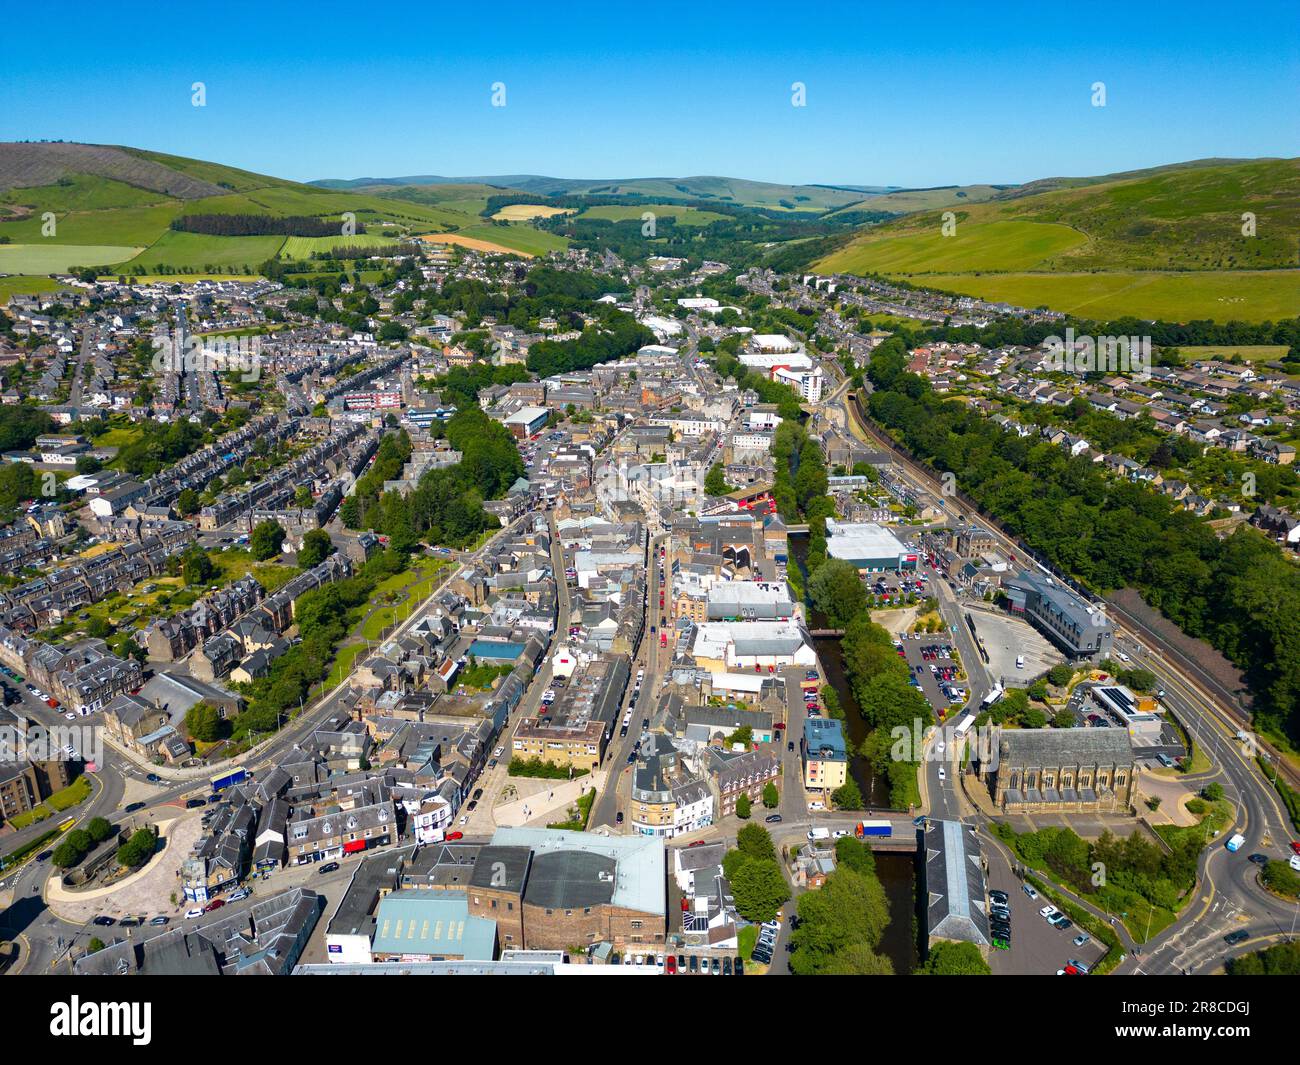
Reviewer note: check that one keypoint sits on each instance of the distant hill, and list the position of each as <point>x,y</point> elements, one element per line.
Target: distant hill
<point>739,192</point>
<point>114,207</point>
<point>1095,245</point>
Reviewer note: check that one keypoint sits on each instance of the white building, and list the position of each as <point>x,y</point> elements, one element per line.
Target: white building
<point>808,383</point>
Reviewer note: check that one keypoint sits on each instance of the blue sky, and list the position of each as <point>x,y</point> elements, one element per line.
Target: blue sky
<point>909,95</point>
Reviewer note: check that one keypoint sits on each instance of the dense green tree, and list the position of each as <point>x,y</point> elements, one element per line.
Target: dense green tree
<point>759,888</point>
<point>955,959</point>
<point>715,483</point>
<point>203,722</point>
<point>754,841</point>
<point>266,540</point>
<point>848,796</point>
<point>316,547</point>
<point>838,592</point>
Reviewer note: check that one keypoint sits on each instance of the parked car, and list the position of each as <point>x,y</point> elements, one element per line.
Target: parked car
<point>329,867</point>
<point>240,895</point>
<point>103,921</point>
<point>197,911</point>
<point>159,921</point>
<point>1080,939</point>
<point>773,819</point>
<point>1048,912</point>
<point>452,836</point>
<point>194,804</point>
<point>1028,889</point>
<point>997,895</point>
<point>618,818</point>
<point>215,904</point>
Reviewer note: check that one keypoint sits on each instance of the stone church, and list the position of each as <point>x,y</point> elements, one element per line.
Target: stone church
<point>1078,769</point>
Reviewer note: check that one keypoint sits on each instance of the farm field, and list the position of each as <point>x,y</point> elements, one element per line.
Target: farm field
<point>522,238</point>
<point>516,240</point>
<point>1179,296</point>
<point>305,247</point>
<point>1247,352</point>
<point>684,216</point>
<point>129,226</point>
<point>59,258</point>
<point>521,212</point>
<point>1006,245</point>
<point>24,286</point>
<point>199,251</point>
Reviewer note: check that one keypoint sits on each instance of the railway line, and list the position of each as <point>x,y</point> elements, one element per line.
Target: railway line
<point>1194,675</point>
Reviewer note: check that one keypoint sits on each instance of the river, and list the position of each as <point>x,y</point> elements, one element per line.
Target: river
<point>897,872</point>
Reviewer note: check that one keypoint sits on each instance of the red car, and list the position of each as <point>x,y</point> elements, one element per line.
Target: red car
<point>454,836</point>
<point>1295,845</point>
<point>699,843</point>
<point>215,904</point>
<point>670,965</point>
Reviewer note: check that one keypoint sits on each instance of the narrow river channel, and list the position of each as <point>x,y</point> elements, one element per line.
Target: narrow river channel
<point>897,872</point>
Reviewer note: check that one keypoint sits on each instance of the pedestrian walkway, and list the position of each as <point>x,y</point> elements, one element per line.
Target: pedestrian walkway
<point>547,804</point>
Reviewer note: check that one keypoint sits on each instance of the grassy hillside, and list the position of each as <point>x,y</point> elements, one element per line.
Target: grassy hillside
<point>684,216</point>
<point>114,207</point>
<point>905,201</point>
<point>1090,241</point>
<point>736,191</point>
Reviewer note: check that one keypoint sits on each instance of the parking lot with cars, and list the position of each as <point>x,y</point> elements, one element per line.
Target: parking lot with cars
<point>934,671</point>
<point>1029,936</point>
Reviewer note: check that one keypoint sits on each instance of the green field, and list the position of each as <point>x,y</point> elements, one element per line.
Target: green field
<point>1221,295</point>
<point>907,200</point>
<point>199,251</point>
<point>59,258</point>
<point>684,216</point>
<point>305,247</point>
<point>24,286</point>
<point>987,246</point>
<point>517,236</point>
<point>1246,352</point>
<point>135,226</point>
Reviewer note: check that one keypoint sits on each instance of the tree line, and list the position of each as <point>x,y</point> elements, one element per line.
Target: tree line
<point>259,225</point>
<point>1238,593</point>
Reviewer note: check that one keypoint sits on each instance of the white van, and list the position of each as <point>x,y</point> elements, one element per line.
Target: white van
<point>1020,661</point>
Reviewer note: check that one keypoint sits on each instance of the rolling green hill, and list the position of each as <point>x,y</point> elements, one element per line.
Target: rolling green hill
<point>1087,247</point>
<point>738,192</point>
<point>113,208</point>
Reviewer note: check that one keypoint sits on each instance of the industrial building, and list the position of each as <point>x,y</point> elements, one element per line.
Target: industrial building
<point>868,546</point>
